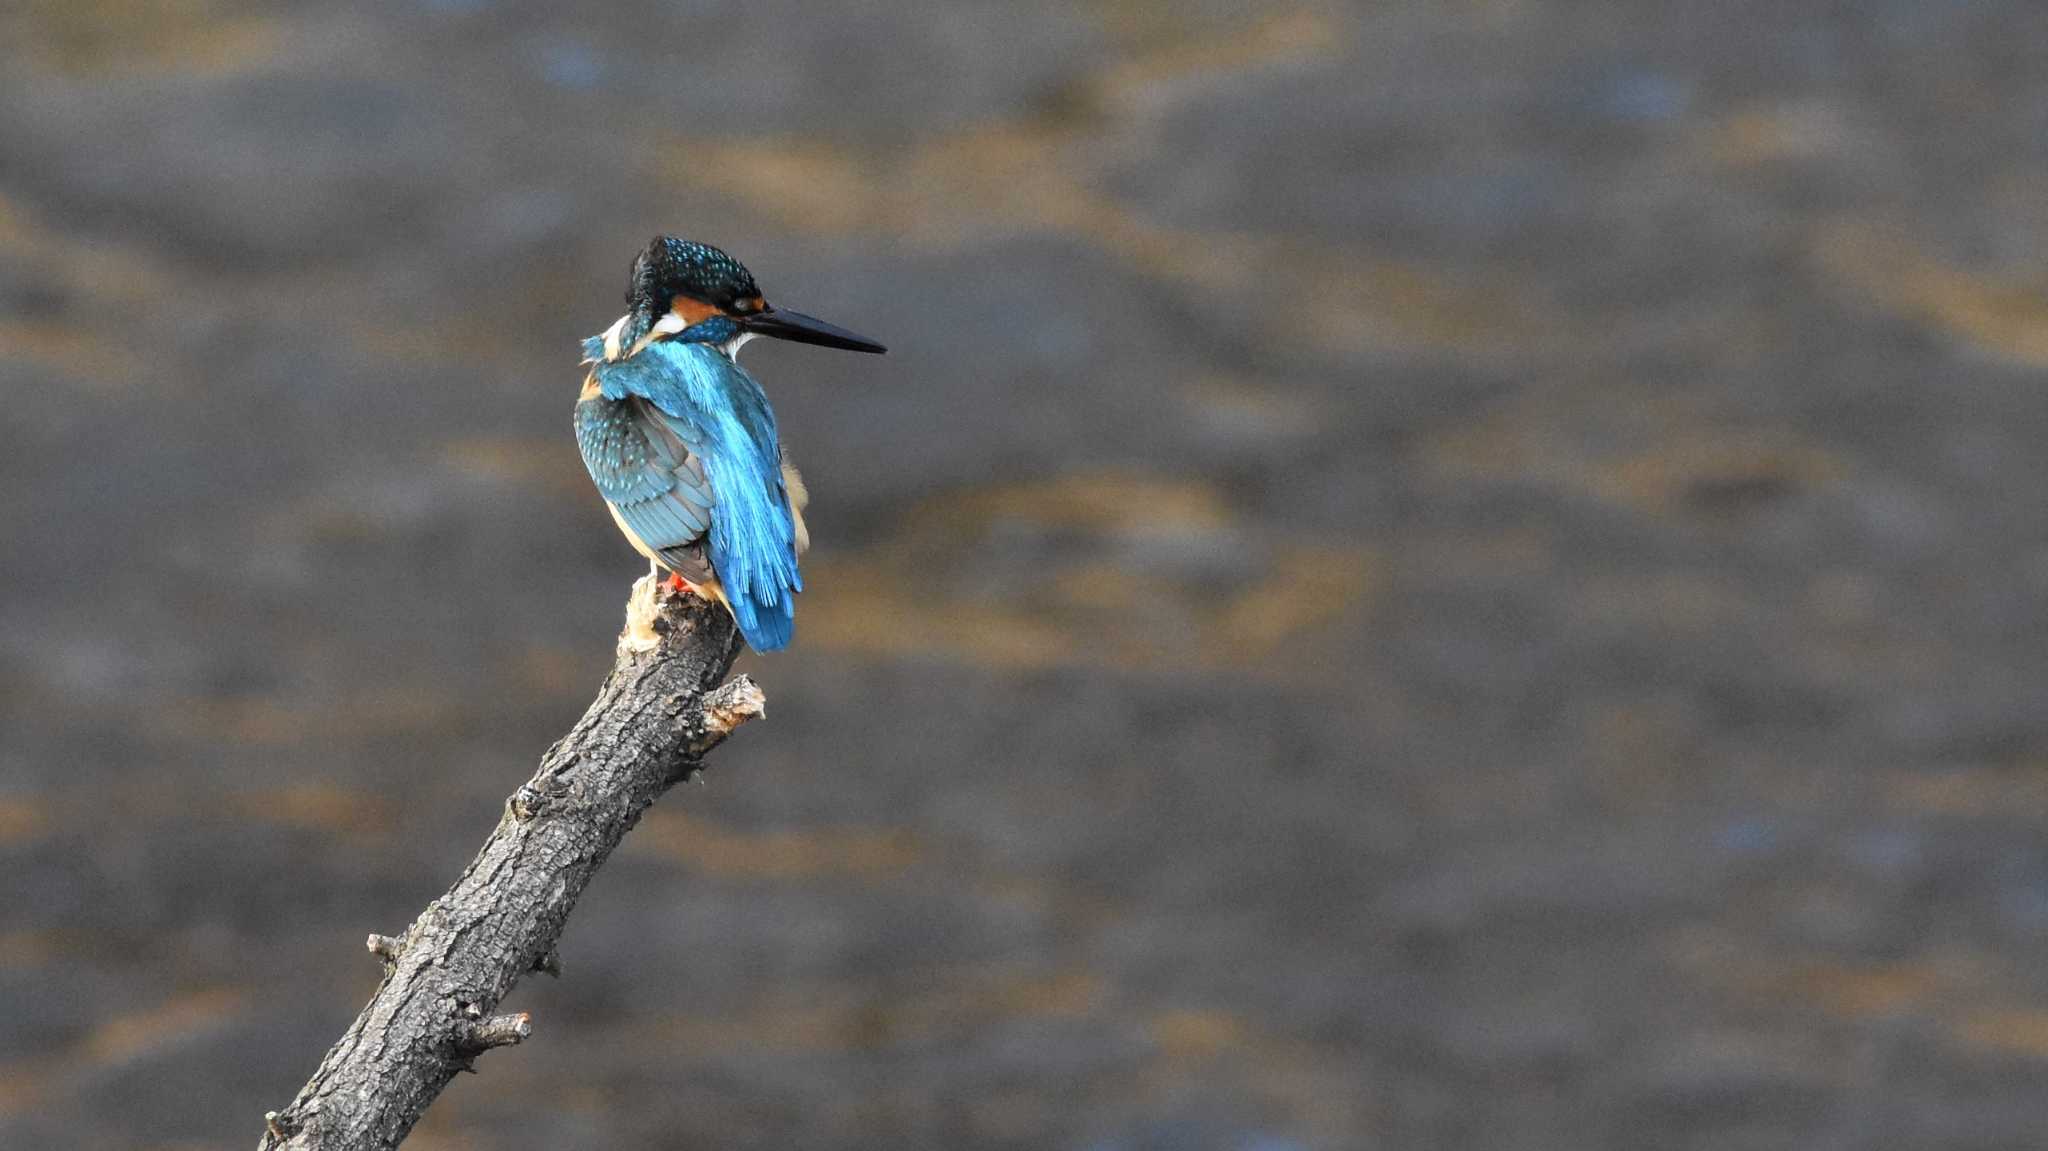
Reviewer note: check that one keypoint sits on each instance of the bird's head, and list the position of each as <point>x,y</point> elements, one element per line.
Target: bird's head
<point>680,285</point>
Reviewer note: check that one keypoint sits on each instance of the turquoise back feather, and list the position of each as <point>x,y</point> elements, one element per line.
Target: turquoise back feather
<point>723,415</point>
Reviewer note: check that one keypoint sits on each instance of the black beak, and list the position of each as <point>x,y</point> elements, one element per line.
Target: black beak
<point>787,325</point>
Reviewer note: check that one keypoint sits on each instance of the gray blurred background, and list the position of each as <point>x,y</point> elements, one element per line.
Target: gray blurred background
<point>1419,575</point>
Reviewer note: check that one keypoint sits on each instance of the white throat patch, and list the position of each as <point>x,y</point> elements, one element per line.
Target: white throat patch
<point>611,338</point>
<point>732,347</point>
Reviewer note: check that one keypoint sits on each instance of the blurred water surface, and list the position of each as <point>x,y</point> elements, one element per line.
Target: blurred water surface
<point>1456,575</point>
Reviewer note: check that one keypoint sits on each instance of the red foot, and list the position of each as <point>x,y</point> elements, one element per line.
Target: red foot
<point>676,585</point>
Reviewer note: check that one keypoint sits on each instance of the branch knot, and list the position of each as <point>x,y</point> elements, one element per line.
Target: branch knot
<point>385,948</point>
<point>724,708</point>
<point>477,1035</point>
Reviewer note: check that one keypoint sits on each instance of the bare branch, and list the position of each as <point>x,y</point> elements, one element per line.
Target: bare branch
<point>659,712</point>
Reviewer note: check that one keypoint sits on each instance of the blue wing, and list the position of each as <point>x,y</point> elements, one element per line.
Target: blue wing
<point>676,429</point>
<point>653,481</point>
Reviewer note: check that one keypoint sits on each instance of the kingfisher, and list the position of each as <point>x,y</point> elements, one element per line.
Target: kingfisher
<point>681,441</point>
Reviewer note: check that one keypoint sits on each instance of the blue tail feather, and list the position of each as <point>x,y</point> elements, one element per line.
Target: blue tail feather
<point>766,626</point>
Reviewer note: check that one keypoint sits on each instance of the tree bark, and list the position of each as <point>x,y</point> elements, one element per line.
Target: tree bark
<point>659,711</point>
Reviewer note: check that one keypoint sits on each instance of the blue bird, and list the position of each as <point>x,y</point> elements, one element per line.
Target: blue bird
<point>681,440</point>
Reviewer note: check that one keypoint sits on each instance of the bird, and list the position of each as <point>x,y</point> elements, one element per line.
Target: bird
<point>681,441</point>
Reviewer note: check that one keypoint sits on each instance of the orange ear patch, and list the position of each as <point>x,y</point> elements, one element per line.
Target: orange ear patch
<point>691,311</point>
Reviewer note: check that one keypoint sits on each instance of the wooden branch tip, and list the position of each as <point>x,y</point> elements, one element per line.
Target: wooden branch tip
<point>497,1031</point>
<point>385,947</point>
<point>732,704</point>
<point>643,608</point>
